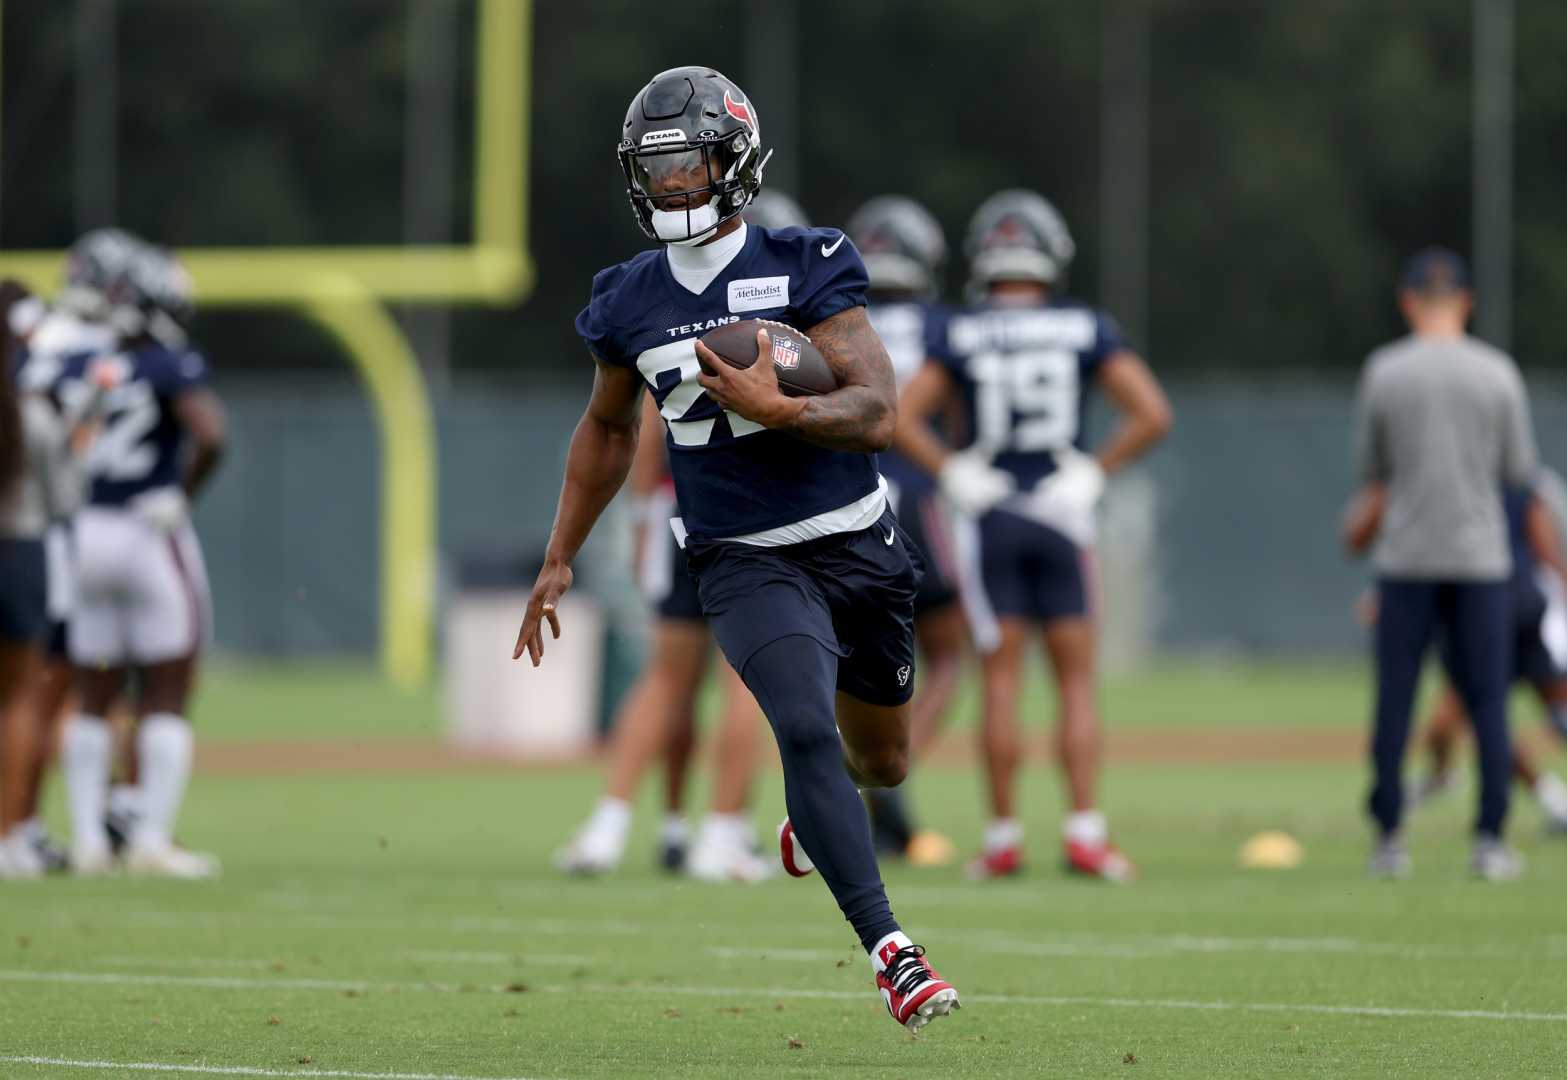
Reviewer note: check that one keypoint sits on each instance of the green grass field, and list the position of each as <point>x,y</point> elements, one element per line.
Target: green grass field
<point>411,925</point>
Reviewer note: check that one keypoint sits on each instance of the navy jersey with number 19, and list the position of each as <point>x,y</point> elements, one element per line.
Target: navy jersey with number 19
<point>1025,373</point>
<point>732,477</point>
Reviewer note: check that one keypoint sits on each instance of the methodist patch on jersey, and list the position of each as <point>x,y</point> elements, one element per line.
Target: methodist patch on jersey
<point>786,353</point>
<point>759,294</point>
<point>654,138</point>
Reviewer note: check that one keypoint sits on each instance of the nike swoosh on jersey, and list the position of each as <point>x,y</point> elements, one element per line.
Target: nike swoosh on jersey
<point>891,534</point>
<point>827,251</point>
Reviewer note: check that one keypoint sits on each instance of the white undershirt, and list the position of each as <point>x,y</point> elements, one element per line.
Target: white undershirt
<point>695,268</point>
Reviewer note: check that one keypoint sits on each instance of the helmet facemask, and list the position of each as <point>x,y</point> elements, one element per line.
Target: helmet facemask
<point>711,178</point>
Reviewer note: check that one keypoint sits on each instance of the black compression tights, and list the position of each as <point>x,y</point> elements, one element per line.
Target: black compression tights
<point>794,680</point>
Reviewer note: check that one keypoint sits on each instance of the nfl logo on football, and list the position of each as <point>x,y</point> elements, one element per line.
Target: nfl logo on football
<point>786,353</point>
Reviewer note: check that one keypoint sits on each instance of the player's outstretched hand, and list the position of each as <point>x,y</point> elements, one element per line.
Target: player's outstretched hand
<point>554,580</point>
<point>752,392</point>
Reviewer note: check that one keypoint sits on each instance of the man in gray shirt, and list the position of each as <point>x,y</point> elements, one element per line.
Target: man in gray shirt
<point>1441,428</point>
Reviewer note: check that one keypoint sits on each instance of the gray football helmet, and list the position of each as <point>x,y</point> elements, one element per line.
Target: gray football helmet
<point>1018,235</point>
<point>901,243</point>
<point>774,210</point>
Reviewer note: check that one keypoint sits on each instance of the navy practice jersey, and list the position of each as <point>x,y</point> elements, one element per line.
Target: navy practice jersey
<point>732,477</point>
<point>1024,373</point>
<point>905,328</point>
<point>141,444</point>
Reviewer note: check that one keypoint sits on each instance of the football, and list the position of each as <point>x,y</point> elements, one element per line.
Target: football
<point>802,370</point>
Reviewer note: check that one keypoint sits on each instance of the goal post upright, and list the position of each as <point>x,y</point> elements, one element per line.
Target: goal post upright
<point>346,290</point>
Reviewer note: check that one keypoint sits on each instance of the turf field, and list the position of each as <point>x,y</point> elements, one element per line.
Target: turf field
<point>409,924</point>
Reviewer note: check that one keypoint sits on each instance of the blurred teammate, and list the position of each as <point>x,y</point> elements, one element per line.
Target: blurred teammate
<point>1441,430</point>
<point>143,603</point>
<point>799,564</point>
<point>1539,598</point>
<point>1022,363</point>
<point>904,253</point>
<point>79,320</point>
<point>658,716</point>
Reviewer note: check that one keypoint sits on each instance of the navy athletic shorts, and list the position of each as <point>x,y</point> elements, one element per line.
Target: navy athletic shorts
<point>24,592</point>
<point>925,525</point>
<point>667,578</point>
<point>1535,662</point>
<point>1030,570</point>
<point>853,593</point>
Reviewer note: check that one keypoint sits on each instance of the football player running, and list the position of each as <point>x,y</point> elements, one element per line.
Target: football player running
<point>802,571</point>
<point>143,602</point>
<point>1022,363</point>
<point>904,252</point>
<point>657,716</point>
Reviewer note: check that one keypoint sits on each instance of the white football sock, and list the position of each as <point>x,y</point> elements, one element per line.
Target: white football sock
<point>86,746</point>
<point>125,800</point>
<point>1003,833</point>
<point>611,818</point>
<point>1086,827</point>
<point>674,829</point>
<point>1552,793</point>
<point>729,831</point>
<point>164,748</point>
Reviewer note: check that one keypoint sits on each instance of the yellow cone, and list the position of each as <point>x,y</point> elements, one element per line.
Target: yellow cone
<point>1272,850</point>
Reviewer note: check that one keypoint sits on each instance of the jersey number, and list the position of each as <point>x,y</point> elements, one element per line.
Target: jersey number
<point>680,356</point>
<point>1025,402</point>
<point>120,451</point>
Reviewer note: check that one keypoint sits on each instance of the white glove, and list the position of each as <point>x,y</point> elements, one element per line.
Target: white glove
<point>165,509</point>
<point>972,484</point>
<point>1068,497</point>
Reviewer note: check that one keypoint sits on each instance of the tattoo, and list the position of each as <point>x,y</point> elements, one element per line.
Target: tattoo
<point>861,413</point>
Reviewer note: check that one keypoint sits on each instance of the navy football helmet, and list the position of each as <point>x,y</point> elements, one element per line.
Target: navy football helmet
<point>690,134</point>
<point>774,210</point>
<point>1018,236</point>
<point>901,243</point>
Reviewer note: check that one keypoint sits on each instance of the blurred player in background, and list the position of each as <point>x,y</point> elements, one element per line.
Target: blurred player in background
<point>657,718</point>
<point>143,603</point>
<point>1441,432</point>
<point>799,564</point>
<point>1022,362</point>
<point>904,253</point>
<point>79,320</point>
<point>1535,518</point>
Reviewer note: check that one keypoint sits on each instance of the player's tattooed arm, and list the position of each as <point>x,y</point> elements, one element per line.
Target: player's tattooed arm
<point>863,412</point>
<point>597,462</point>
<point>860,415</point>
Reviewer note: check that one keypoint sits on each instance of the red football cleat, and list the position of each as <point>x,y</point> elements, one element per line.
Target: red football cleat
<point>912,991</point>
<point>999,863</point>
<point>796,862</point>
<point>1100,861</point>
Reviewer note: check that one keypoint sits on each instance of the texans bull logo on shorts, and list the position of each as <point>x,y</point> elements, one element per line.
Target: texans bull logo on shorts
<point>786,353</point>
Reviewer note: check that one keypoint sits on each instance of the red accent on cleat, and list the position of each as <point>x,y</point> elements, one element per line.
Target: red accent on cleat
<point>1003,862</point>
<point>795,862</point>
<point>1100,861</point>
<point>907,983</point>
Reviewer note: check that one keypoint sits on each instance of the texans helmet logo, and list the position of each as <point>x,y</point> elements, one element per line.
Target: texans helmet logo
<point>740,110</point>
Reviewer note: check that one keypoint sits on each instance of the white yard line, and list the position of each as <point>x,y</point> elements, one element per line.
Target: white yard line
<point>227,1070</point>
<point>1132,946</point>
<point>208,982</point>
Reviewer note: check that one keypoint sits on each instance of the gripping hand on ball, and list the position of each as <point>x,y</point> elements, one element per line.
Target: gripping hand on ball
<point>751,392</point>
